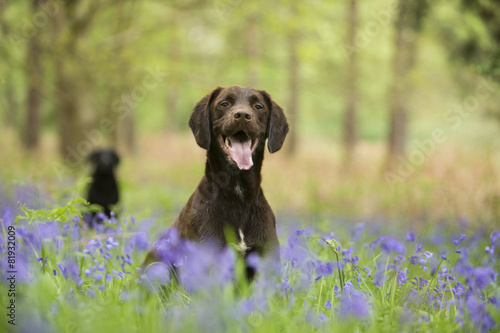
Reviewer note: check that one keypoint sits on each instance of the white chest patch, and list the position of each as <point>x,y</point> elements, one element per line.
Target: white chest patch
<point>242,246</point>
<point>239,191</point>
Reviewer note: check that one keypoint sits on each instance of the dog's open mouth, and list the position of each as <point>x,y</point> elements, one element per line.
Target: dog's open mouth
<point>239,147</point>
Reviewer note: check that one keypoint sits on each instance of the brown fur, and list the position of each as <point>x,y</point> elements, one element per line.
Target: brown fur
<point>227,196</point>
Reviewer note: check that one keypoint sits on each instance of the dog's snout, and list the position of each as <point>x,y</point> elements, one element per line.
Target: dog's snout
<point>242,114</point>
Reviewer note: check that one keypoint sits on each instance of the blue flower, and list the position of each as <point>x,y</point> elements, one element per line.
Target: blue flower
<point>456,242</point>
<point>390,244</point>
<point>480,317</point>
<point>483,276</point>
<point>410,238</point>
<point>402,277</point>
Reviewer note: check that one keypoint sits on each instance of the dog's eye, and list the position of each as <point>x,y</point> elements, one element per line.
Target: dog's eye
<point>258,106</point>
<point>224,104</point>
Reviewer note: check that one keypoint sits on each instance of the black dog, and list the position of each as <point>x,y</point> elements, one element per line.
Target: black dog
<point>103,190</point>
<point>232,124</point>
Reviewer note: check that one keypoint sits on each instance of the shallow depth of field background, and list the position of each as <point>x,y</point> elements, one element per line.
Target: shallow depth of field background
<point>393,105</point>
<point>81,75</point>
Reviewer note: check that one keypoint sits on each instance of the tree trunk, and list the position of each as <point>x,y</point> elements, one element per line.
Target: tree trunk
<point>350,136</point>
<point>175,76</point>
<point>32,127</point>
<point>407,26</point>
<point>252,51</point>
<point>293,90</point>
<point>8,103</point>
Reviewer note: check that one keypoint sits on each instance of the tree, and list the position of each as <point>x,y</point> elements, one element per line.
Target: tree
<point>73,79</point>
<point>293,77</point>
<point>350,114</point>
<point>408,24</point>
<point>34,75</point>
<point>8,103</point>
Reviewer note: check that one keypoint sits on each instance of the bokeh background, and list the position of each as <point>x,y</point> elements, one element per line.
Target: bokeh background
<point>393,105</point>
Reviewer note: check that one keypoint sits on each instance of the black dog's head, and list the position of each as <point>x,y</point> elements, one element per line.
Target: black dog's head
<point>103,160</point>
<point>238,119</point>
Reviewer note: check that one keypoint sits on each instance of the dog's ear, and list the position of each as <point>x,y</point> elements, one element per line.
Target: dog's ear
<point>277,126</point>
<point>200,119</point>
<point>115,158</point>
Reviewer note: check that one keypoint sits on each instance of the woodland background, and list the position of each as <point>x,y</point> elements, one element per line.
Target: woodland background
<point>393,105</point>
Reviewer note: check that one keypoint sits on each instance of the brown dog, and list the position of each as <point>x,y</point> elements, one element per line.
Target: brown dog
<point>232,124</point>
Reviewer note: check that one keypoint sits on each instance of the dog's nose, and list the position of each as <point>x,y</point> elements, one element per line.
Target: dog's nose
<point>242,113</point>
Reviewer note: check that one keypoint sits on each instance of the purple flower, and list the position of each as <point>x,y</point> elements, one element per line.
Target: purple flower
<point>306,232</point>
<point>353,303</point>
<point>328,305</point>
<point>111,243</point>
<point>253,260</point>
<point>390,244</point>
<point>398,259</point>
<point>459,289</point>
<point>490,250</point>
<point>483,276</point>
<point>336,290</point>
<point>418,248</point>
<point>480,317</point>
<point>402,277</point>
<point>459,240</point>
<point>139,241</point>
<point>495,235</point>
<point>410,238</point>
<point>358,229</point>
<point>97,277</point>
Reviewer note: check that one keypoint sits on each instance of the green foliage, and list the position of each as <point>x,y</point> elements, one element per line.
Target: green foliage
<point>58,214</point>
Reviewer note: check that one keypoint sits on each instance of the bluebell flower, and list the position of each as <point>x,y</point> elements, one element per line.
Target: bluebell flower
<point>353,303</point>
<point>357,230</point>
<point>336,290</point>
<point>328,305</point>
<point>402,277</point>
<point>253,260</point>
<point>478,314</point>
<point>410,238</point>
<point>459,289</point>
<point>483,276</point>
<point>399,259</point>
<point>495,236</point>
<point>306,232</point>
<point>390,244</point>
<point>459,240</point>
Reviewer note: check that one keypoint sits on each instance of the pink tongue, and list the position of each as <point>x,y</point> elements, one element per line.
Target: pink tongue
<point>241,153</point>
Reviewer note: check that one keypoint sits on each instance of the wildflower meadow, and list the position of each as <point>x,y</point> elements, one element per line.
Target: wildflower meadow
<point>334,275</point>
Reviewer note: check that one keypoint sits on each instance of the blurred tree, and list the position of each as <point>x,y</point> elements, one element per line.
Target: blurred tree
<point>122,114</point>
<point>34,77</point>
<point>475,38</point>
<point>350,114</point>
<point>293,76</point>
<point>73,79</point>
<point>252,49</point>
<point>481,46</point>
<point>408,24</point>
<point>8,103</point>
<point>174,57</point>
